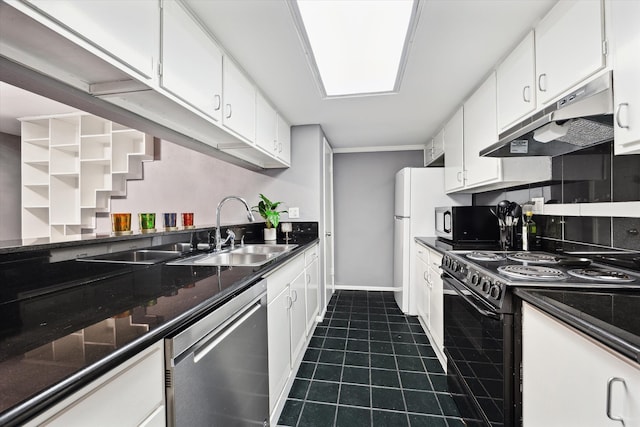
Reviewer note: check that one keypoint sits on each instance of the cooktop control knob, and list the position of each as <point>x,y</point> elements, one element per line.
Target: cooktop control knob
<point>486,285</point>
<point>475,279</point>
<point>446,261</point>
<point>495,292</point>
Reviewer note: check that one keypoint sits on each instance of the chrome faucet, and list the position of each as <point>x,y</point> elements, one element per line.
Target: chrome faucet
<point>230,235</point>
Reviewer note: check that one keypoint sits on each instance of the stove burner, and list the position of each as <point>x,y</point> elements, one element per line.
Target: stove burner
<point>532,272</point>
<point>534,258</point>
<point>603,274</point>
<point>485,256</point>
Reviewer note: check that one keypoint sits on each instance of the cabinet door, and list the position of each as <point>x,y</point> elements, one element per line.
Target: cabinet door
<point>298,316</point>
<point>480,132</point>
<point>453,159</point>
<point>625,17</point>
<point>424,292</point>
<point>565,377</point>
<point>568,47</point>
<point>438,145</point>
<point>134,391</point>
<point>516,84</point>
<point>284,140</point>
<point>312,292</point>
<point>266,125</point>
<point>128,31</point>
<point>436,301</point>
<point>279,344</point>
<point>199,85</point>
<point>239,101</point>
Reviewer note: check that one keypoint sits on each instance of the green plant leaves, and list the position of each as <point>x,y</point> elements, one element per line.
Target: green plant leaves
<point>268,210</point>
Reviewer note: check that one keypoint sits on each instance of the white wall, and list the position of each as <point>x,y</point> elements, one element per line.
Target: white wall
<point>10,198</point>
<point>364,185</point>
<point>183,180</point>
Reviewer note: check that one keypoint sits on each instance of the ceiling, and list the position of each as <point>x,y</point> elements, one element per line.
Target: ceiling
<point>456,44</point>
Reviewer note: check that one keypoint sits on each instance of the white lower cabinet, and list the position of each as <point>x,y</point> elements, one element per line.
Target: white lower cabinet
<point>312,290</point>
<point>569,379</point>
<point>292,294</point>
<point>131,394</point>
<point>430,303</point>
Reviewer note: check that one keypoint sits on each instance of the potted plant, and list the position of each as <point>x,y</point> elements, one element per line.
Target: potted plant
<point>268,210</point>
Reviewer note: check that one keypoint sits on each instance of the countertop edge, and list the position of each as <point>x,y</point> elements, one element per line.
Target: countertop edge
<point>612,340</point>
<point>29,408</point>
<point>429,242</point>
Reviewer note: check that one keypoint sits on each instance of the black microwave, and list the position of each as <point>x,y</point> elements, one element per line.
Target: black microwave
<point>467,224</point>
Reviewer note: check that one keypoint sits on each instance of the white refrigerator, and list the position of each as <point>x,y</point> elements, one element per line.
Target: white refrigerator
<point>418,192</point>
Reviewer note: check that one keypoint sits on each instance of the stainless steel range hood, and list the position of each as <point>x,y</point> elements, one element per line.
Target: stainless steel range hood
<point>579,120</point>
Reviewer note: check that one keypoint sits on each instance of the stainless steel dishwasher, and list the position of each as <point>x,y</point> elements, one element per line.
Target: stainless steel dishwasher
<point>217,370</point>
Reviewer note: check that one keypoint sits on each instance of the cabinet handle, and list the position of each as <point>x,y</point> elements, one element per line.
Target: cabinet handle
<point>540,77</point>
<point>218,102</point>
<point>618,110</point>
<point>295,295</point>
<point>609,387</point>
<point>526,91</point>
<point>289,303</point>
<point>328,234</point>
<point>279,148</point>
<point>308,279</point>
<point>228,116</point>
<point>425,276</point>
<point>459,176</point>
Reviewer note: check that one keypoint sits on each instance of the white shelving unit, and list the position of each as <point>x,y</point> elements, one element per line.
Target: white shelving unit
<point>71,165</point>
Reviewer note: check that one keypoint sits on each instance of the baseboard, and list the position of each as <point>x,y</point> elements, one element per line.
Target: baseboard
<point>364,288</point>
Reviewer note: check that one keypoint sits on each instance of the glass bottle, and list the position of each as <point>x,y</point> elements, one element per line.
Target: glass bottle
<point>529,231</point>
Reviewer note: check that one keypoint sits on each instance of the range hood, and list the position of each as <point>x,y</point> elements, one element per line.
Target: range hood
<point>581,119</point>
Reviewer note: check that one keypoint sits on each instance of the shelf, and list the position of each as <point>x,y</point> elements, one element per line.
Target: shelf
<point>71,148</point>
<point>42,142</point>
<point>102,162</point>
<point>66,170</point>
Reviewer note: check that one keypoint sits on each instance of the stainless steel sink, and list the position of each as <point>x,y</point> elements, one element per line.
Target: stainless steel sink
<point>267,249</point>
<point>141,256</point>
<point>244,256</point>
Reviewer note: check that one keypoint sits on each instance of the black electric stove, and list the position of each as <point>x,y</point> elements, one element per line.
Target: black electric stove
<point>490,273</point>
<point>481,322</point>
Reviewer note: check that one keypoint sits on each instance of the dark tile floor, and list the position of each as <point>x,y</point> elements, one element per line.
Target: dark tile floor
<point>369,365</point>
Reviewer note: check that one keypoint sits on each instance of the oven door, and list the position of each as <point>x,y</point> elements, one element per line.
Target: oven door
<point>478,346</point>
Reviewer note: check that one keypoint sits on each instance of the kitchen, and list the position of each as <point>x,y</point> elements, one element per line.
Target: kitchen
<point>587,212</point>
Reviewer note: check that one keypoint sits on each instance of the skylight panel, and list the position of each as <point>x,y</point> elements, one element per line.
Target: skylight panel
<point>356,46</point>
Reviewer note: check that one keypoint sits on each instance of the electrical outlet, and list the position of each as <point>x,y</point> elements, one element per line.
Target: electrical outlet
<point>294,213</point>
<point>538,205</point>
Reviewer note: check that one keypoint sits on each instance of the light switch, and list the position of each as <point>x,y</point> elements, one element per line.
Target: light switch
<point>294,213</point>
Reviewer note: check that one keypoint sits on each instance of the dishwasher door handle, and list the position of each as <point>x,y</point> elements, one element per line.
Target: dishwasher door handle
<point>200,353</point>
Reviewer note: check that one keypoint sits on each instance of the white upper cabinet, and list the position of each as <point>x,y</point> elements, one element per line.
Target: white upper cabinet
<point>191,61</point>
<point>625,17</point>
<point>283,147</point>
<point>569,47</point>
<point>239,101</point>
<point>479,132</point>
<point>266,125</point>
<point>516,83</point>
<point>129,34</point>
<point>453,160</point>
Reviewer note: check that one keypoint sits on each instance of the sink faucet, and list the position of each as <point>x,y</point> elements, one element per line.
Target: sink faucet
<point>218,239</point>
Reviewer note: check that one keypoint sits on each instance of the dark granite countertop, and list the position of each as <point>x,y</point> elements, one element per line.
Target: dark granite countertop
<point>64,324</point>
<point>609,317</point>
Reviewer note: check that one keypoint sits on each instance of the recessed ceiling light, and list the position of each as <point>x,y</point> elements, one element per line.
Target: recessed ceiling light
<point>356,47</point>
